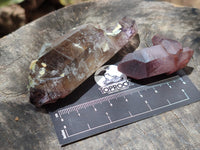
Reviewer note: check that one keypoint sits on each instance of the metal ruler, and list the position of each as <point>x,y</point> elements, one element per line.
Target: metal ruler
<point>93,112</point>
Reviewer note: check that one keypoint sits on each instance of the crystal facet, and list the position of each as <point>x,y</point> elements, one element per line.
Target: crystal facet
<point>73,58</point>
<point>166,56</point>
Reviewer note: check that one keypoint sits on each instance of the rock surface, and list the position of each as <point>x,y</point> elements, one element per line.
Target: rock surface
<point>177,129</point>
<point>165,57</point>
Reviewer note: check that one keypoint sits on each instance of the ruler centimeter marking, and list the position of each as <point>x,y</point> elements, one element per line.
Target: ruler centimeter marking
<point>72,123</point>
<point>120,94</point>
<point>131,116</point>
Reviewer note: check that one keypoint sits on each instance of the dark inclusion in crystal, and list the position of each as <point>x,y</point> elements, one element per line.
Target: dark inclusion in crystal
<point>73,58</point>
<point>166,56</point>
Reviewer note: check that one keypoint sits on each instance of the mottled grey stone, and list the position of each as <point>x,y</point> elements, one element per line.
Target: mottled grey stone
<point>189,116</point>
<point>172,136</point>
<point>177,129</point>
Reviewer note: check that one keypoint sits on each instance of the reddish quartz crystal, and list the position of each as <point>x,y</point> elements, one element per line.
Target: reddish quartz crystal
<point>166,56</point>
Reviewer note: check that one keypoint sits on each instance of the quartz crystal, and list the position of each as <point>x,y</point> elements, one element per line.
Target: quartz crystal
<point>166,56</point>
<point>73,58</point>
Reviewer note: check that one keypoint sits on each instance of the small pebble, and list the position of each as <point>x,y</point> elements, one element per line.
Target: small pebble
<point>16,118</point>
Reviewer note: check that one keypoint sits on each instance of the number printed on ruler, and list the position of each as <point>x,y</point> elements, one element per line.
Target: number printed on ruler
<point>121,106</point>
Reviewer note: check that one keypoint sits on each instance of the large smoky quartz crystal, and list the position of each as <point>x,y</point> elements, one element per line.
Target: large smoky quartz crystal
<point>73,58</point>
